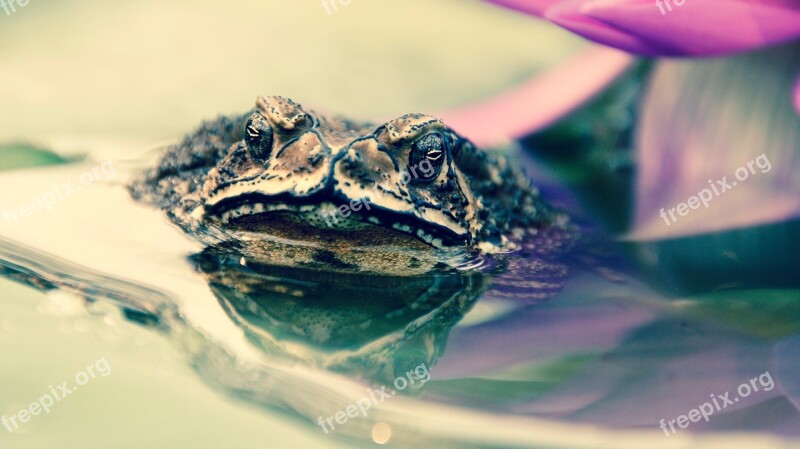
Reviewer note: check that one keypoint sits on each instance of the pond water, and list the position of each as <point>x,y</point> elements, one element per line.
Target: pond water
<point>597,360</point>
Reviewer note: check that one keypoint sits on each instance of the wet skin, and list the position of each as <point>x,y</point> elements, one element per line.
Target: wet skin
<point>301,188</point>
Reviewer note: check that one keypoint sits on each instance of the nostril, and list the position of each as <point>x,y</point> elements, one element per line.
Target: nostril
<point>316,158</point>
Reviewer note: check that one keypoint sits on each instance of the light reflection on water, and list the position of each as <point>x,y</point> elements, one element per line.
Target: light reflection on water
<point>605,352</point>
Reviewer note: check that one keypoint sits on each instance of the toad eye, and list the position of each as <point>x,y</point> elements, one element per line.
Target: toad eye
<point>258,136</point>
<point>427,157</point>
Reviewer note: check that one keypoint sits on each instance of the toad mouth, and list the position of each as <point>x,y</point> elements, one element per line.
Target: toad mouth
<point>252,212</point>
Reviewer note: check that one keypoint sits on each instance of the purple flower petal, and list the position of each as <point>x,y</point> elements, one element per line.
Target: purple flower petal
<point>569,15</point>
<point>539,101</point>
<point>708,27</point>
<point>797,95</point>
<point>535,7</point>
<point>721,128</point>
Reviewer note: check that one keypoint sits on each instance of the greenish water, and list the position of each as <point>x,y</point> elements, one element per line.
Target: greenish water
<point>605,359</point>
<point>152,398</point>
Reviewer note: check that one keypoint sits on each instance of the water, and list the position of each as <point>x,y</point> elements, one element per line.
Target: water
<point>597,365</point>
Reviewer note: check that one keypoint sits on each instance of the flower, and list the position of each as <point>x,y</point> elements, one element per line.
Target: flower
<point>797,94</point>
<point>540,101</point>
<point>644,27</point>
<point>673,27</point>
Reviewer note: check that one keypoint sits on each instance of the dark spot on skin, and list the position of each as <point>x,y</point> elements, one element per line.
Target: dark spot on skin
<point>331,259</point>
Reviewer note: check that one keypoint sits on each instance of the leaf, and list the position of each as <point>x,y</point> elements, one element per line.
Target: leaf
<point>751,258</point>
<point>516,384</point>
<point>772,313</point>
<point>14,156</point>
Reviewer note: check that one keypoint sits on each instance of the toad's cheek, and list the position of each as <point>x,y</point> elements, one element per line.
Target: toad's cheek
<point>299,170</point>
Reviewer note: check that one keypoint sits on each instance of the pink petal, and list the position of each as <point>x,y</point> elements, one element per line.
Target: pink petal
<point>539,101</point>
<point>534,7</point>
<point>797,95</point>
<point>701,122</point>
<point>662,28</point>
<point>569,15</point>
<point>707,27</point>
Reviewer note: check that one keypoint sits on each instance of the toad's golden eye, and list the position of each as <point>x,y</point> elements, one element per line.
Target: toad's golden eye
<point>427,155</point>
<point>258,137</point>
